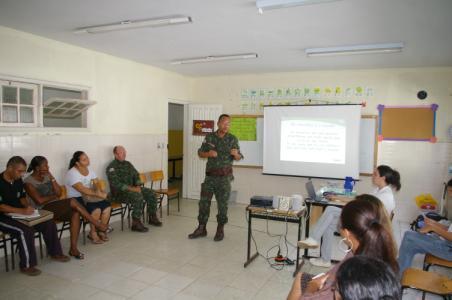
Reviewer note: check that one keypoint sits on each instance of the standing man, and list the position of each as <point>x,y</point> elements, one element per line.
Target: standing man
<point>220,148</point>
<point>125,185</point>
<point>13,200</point>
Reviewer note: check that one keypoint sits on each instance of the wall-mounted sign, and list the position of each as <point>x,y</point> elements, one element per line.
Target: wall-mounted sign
<point>203,127</point>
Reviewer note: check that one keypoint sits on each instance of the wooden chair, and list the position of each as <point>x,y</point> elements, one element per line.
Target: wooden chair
<point>144,180</point>
<point>427,282</point>
<point>431,260</point>
<point>66,225</point>
<point>171,193</point>
<point>117,207</point>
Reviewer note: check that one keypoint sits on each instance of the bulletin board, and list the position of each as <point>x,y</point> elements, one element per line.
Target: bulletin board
<point>252,150</point>
<point>409,123</point>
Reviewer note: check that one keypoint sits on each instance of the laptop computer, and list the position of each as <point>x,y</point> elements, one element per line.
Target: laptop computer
<point>312,194</point>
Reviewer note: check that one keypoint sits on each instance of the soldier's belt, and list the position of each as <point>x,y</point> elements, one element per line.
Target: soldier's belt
<point>220,172</point>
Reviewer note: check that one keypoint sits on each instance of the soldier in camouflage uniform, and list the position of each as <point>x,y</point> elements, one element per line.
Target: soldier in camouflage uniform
<point>126,186</point>
<point>221,149</point>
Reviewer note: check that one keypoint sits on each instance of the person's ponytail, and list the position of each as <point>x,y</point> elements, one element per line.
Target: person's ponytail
<point>392,177</point>
<point>376,242</point>
<point>364,220</point>
<point>75,158</point>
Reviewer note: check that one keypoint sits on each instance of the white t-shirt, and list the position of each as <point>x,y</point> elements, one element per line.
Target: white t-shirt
<point>386,196</point>
<point>73,176</point>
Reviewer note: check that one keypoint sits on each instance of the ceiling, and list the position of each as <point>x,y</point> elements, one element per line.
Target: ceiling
<point>223,27</point>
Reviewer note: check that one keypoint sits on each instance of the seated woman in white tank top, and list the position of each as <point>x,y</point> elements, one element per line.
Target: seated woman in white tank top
<point>385,180</point>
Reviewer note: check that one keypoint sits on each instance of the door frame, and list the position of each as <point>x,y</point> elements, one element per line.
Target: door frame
<point>184,151</point>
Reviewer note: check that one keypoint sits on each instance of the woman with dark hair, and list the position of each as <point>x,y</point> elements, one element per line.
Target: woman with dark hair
<point>81,184</point>
<point>364,233</point>
<point>362,277</point>
<point>384,178</point>
<point>44,192</point>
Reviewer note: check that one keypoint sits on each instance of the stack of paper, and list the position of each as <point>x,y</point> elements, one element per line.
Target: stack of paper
<point>35,214</point>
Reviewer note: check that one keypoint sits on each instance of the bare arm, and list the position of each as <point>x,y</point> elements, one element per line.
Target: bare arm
<point>28,210</point>
<point>79,187</point>
<point>36,197</point>
<point>295,291</point>
<point>441,231</point>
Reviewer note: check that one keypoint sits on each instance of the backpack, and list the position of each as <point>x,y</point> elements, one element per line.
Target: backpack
<point>419,221</point>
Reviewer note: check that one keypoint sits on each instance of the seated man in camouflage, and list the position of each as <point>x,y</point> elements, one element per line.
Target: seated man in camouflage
<point>126,186</point>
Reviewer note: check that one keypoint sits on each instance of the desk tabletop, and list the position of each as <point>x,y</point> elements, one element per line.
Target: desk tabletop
<point>326,203</point>
<point>44,215</point>
<point>275,212</point>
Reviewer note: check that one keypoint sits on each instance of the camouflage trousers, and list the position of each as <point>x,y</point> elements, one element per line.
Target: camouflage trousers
<point>220,186</point>
<point>137,200</point>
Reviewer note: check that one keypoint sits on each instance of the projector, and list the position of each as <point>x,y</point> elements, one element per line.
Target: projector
<point>261,201</point>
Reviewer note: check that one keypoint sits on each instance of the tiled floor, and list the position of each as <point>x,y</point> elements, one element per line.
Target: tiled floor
<point>164,264</point>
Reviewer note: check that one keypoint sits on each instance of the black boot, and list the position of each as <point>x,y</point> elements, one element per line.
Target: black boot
<point>199,232</point>
<point>154,220</point>
<point>220,233</point>
<point>138,226</point>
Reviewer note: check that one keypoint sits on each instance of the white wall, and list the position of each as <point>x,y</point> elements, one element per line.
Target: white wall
<point>132,98</point>
<point>131,109</point>
<point>423,166</point>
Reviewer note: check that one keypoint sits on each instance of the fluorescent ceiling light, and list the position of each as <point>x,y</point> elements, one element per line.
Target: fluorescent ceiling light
<point>357,49</point>
<point>274,4</point>
<point>214,58</point>
<point>125,25</point>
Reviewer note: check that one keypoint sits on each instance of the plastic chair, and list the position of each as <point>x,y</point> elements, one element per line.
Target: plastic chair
<point>427,282</point>
<point>431,260</point>
<point>117,206</point>
<point>171,193</point>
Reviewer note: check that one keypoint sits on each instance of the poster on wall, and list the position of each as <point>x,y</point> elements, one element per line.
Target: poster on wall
<point>203,127</point>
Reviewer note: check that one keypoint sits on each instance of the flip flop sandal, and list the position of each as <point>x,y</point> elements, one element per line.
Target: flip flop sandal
<point>98,241</point>
<point>80,255</point>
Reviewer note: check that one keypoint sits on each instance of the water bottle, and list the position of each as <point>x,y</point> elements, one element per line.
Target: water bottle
<point>348,185</point>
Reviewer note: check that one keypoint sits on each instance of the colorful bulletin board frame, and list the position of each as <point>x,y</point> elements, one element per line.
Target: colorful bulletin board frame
<point>407,123</point>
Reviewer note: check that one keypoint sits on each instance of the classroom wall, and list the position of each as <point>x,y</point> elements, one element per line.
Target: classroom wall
<point>132,97</point>
<point>423,166</point>
<point>131,109</point>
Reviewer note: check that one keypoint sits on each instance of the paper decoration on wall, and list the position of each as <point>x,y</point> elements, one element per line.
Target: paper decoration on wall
<point>253,100</point>
<point>244,128</point>
<point>407,123</point>
<point>203,127</point>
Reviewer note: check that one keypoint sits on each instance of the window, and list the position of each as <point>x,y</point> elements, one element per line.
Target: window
<point>18,104</point>
<point>64,108</point>
<point>22,105</point>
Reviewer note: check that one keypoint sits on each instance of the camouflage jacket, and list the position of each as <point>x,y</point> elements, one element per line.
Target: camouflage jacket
<point>223,147</point>
<point>121,175</point>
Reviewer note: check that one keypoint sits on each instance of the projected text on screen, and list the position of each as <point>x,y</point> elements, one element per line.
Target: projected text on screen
<point>313,140</point>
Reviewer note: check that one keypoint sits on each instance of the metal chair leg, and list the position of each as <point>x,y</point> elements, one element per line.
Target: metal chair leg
<point>40,244</point>
<point>13,262</point>
<point>5,252</point>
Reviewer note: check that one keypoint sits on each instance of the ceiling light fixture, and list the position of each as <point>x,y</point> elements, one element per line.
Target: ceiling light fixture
<point>274,4</point>
<point>125,25</point>
<point>356,49</point>
<point>212,58</point>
